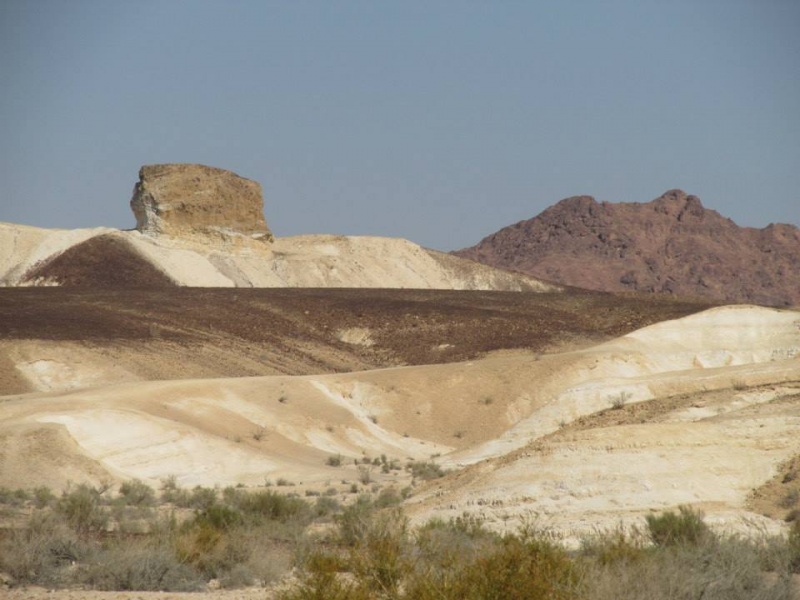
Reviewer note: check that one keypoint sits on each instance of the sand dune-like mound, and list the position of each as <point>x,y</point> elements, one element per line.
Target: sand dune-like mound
<point>99,262</point>
<point>722,386</point>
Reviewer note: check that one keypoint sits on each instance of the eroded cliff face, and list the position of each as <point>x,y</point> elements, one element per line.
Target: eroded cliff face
<point>188,201</point>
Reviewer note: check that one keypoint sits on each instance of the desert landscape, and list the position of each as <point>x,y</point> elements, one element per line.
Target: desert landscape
<point>200,352</point>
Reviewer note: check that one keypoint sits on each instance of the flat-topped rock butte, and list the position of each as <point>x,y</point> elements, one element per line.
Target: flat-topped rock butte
<point>187,200</point>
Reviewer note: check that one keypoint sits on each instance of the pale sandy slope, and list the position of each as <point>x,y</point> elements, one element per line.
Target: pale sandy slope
<point>490,419</point>
<point>300,261</point>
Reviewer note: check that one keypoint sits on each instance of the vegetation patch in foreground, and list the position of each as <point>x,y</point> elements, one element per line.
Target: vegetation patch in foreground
<point>182,539</point>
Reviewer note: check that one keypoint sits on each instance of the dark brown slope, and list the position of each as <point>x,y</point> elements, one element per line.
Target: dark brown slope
<point>672,245</point>
<point>104,261</point>
<point>173,333</point>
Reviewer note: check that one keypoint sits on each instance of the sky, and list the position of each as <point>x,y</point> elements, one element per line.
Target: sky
<point>435,121</point>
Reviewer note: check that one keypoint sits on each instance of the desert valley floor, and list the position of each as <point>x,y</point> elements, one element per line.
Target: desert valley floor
<point>579,411</point>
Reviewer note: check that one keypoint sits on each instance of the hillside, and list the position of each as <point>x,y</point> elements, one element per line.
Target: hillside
<point>670,245</point>
<point>200,226</point>
<point>147,386</point>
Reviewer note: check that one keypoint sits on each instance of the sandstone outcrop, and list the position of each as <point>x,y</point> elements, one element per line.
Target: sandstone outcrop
<point>190,201</point>
<point>670,245</point>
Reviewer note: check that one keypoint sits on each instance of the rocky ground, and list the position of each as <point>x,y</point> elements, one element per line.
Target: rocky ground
<point>670,245</point>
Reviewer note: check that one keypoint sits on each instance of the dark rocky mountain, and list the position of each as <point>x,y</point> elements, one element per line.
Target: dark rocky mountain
<point>670,245</point>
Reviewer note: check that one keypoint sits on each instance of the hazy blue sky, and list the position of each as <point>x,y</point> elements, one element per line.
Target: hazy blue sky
<point>435,121</point>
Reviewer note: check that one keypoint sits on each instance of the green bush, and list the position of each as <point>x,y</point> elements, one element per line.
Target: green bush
<point>84,509</point>
<point>615,547</point>
<point>425,470</point>
<point>16,497</point>
<point>514,567</point>
<point>43,497</point>
<point>174,494</point>
<point>381,557</point>
<point>354,521</point>
<point>388,497</point>
<point>218,516</point>
<point>202,498</point>
<point>265,504</point>
<point>683,527</point>
<point>137,493</point>
<point>326,586</point>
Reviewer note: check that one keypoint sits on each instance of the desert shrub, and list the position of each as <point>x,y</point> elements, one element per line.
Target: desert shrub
<point>43,497</point>
<point>739,384</point>
<point>380,557</point>
<point>614,547</point>
<point>326,505</point>
<point>354,521</point>
<point>334,460</point>
<point>521,566</point>
<point>42,552</point>
<point>202,498</point>
<point>684,527</point>
<point>137,493</point>
<point>425,470</point>
<point>443,547</point>
<point>11,497</point>
<point>210,550</point>
<point>388,497</point>
<point>365,474</point>
<point>135,564</point>
<point>265,504</point>
<point>618,401</point>
<point>326,586</point>
<point>83,509</point>
<point>727,568</point>
<point>171,492</point>
<point>218,516</point>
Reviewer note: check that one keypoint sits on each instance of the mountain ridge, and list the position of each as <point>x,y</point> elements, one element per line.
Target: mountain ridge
<point>672,244</point>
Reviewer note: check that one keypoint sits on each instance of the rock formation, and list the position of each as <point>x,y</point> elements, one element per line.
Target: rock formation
<point>672,244</point>
<point>187,201</point>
